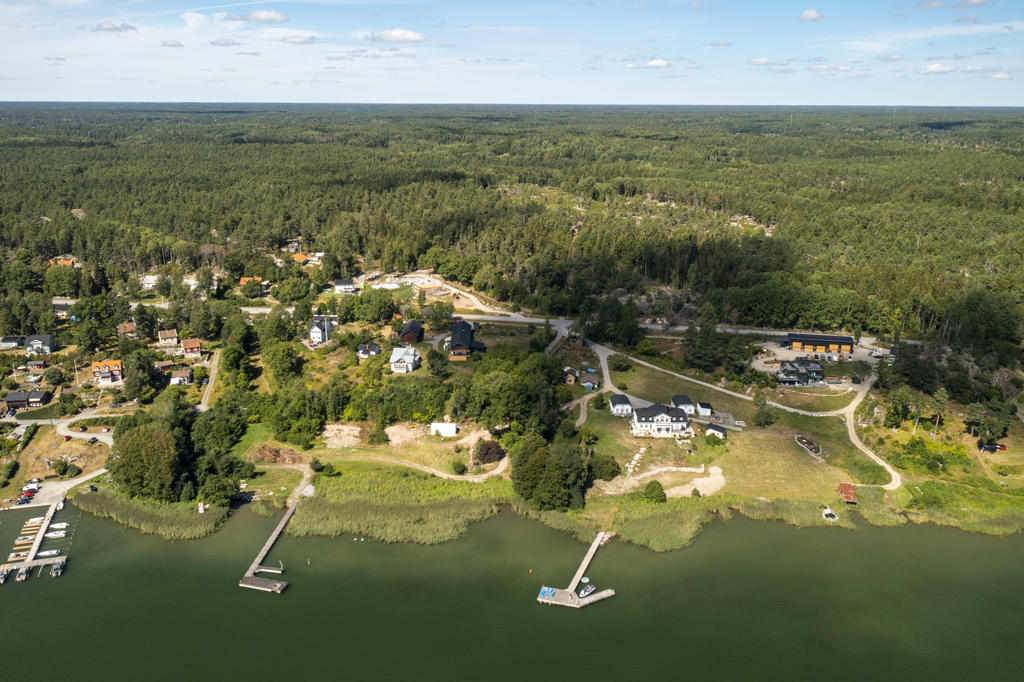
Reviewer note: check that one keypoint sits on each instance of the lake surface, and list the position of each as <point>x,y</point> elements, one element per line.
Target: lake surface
<point>747,600</point>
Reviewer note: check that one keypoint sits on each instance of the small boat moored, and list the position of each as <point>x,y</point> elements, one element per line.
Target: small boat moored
<point>3,576</point>
<point>56,570</point>
<point>587,591</point>
<point>49,552</point>
<point>22,575</point>
<point>17,556</point>
<point>56,534</point>
<point>58,526</point>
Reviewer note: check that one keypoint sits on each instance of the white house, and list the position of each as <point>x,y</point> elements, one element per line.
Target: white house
<point>365,350</point>
<point>404,360</point>
<point>39,344</point>
<point>660,421</point>
<point>344,286</point>
<point>704,410</point>
<point>167,338</point>
<point>320,329</point>
<point>620,405</point>
<point>683,402</point>
<point>148,282</point>
<point>445,429</point>
<point>715,430</point>
<point>181,377</point>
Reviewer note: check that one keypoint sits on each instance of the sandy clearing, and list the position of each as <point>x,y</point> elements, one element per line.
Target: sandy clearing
<point>399,434</point>
<point>341,436</point>
<point>707,485</point>
<point>470,440</point>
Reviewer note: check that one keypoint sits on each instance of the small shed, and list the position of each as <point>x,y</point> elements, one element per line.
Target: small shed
<point>847,493</point>
<point>445,429</point>
<point>715,430</point>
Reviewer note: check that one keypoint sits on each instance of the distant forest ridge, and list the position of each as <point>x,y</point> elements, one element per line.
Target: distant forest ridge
<point>881,219</point>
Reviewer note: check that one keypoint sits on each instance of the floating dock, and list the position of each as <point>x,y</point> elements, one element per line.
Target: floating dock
<point>567,596</point>
<point>253,582</point>
<point>30,560</point>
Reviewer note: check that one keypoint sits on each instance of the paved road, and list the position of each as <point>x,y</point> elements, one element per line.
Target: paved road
<point>62,426</point>
<point>53,491</point>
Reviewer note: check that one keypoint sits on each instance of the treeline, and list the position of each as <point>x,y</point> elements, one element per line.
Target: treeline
<point>887,225</point>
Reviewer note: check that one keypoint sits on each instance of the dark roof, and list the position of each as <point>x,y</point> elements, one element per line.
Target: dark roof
<point>462,335</point>
<point>343,283</point>
<point>715,427</point>
<point>820,338</point>
<point>678,400</point>
<point>41,396</point>
<point>618,399</point>
<point>45,339</point>
<point>16,396</point>
<point>369,347</point>
<point>649,413</point>
<point>706,406</point>
<point>414,326</point>
<point>20,340</point>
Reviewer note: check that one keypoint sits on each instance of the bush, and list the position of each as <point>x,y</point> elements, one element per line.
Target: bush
<point>655,492</point>
<point>316,465</point>
<point>696,493</point>
<point>488,451</point>
<point>599,401</point>
<point>604,467</point>
<point>622,386</point>
<point>60,467</point>
<point>458,467</point>
<point>73,470</point>
<point>617,362</point>
<point>378,437</point>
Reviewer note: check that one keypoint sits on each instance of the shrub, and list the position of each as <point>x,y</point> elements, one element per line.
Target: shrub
<point>654,492</point>
<point>695,493</point>
<point>458,467</point>
<point>73,470</point>
<point>622,386</point>
<point>60,467</point>
<point>599,401</point>
<point>618,362</point>
<point>488,451</point>
<point>316,465</point>
<point>378,437</point>
<point>604,467</point>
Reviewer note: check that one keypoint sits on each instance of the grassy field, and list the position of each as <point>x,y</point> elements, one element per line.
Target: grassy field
<point>51,411</point>
<point>272,484</point>
<point>656,386</point>
<point>254,435</point>
<point>47,445</point>
<point>614,439</point>
<point>812,399</point>
<point>177,521</point>
<point>395,504</point>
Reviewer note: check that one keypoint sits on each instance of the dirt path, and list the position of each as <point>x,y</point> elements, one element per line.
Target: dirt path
<point>204,404</point>
<point>471,478</point>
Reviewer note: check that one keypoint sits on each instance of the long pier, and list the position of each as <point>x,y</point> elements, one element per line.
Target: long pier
<point>30,560</point>
<point>254,582</point>
<point>568,597</point>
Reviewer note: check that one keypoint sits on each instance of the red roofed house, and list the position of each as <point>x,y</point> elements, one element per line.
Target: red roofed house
<point>167,338</point>
<point>847,493</point>
<point>192,348</point>
<point>106,372</point>
<point>300,258</point>
<point>126,329</point>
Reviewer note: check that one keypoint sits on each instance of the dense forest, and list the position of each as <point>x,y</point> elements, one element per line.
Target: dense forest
<point>885,221</point>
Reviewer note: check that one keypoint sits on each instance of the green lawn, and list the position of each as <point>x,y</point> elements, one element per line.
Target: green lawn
<point>657,386</point>
<point>813,399</point>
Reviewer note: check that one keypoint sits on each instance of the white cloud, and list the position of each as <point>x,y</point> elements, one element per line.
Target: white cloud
<point>889,58</point>
<point>298,40</point>
<point>759,61</point>
<point>829,67</point>
<point>171,43</point>
<point>249,54</point>
<point>111,27</point>
<point>972,19</point>
<point>653,64</point>
<point>260,16</point>
<point>224,42</point>
<point>935,69</point>
<point>971,3</point>
<point>395,35</point>
<point>810,15</point>
<point>447,43</point>
<point>1001,76</point>
<point>195,20</point>
<point>930,4</point>
<point>468,60</point>
<point>719,43</point>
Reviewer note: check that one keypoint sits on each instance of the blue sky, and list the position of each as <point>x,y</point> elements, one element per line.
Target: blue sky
<point>904,52</point>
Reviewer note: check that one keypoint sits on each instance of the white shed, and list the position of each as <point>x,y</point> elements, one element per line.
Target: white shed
<point>446,429</point>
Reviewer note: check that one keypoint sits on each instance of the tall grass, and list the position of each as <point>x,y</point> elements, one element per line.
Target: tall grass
<point>172,521</point>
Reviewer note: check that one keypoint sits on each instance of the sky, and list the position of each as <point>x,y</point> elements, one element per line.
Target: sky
<point>854,52</point>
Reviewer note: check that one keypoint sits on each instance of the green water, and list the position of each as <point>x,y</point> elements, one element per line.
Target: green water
<point>747,600</point>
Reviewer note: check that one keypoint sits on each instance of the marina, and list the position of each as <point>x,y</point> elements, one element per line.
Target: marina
<point>26,556</point>
<point>568,596</point>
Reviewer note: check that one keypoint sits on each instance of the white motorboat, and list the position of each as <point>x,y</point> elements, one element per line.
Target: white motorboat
<point>56,534</point>
<point>49,552</point>
<point>586,591</point>
<point>58,526</point>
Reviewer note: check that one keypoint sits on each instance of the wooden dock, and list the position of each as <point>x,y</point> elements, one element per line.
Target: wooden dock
<point>558,596</point>
<point>31,561</point>
<point>253,582</point>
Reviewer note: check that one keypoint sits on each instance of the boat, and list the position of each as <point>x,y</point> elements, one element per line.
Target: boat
<point>22,575</point>
<point>586,591</point>
<point>49,552</point>
<point>3,576</point>
<point>60,505</point>
<point>17,556</point>
<point>24,538</point>
<point>56,534</point>
<point>56,570</point>
<point>58,526</point>
<point>38,519</point>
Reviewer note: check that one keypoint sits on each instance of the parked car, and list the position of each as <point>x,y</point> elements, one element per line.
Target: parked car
<point>115,404</point>
<point>82,429</point>
<point>1002,448</point>
<point>856,380</point>
<point>106,429</point>
<point>35,480</point>
<point>67,438</point>
<point>92,441</point>
<point>990,447</point>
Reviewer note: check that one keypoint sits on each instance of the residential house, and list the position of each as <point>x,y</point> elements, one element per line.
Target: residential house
<point>715,430</point>
<point>66,260</point>
<point>365,350</point>
<point>300,258</point>
<point>620,405</point>
<point>167,338</point>
<point>164,366</point>
<point>705,410</point>
<point>16,400</point>
<point>11,342</point>
<point>148,282</point>
<point>40,344</point>
<point>404,359</point>
<point>106,372</point>
<point>444,429</point>
<point>36,365</point>
<point>126,329</point>
<point>38,398</point>
<point>817,343</point>
<point>192,348</point>
<point>320,329</point>
<point>570,375</point>
<point>181,377</point>
<point>461,344</point>
<point>660,421</point>
<point>62,309</point>
<point>683,402</point>
<point>412,332</point>
<point>847,493</point>
<point>344,286</point>
<point>799,372</point>
<point>589,382</point>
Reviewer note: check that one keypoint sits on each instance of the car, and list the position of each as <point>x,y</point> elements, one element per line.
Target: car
<point>115,404</point>
<point>856,380</point>
<point>35,480</point>
<point>67,438</point>
<point>106,429</point>
<point>1002,448</point>
<point>23,500</point>
<point>82,429</point>
<point>92,441</point>
<point>989,447</point>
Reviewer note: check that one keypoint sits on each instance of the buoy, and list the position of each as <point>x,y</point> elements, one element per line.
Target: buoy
<point>531,571</point>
